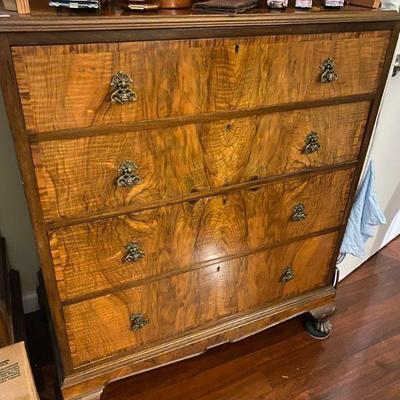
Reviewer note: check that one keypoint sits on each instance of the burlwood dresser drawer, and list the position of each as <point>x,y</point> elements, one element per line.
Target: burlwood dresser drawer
<point>108,253</point>
<point>68,86</point>
<point>105,325</point>
<point>79,177</point>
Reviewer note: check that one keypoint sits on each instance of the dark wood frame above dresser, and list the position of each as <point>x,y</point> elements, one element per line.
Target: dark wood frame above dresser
<point>45,27</point>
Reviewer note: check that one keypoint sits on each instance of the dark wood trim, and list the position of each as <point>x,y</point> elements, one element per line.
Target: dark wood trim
<point>17,308</point>
<point>6,316</point>
<point>36,37</point>
<point>191,119</point>
<point>12,324</point>
<point>52,225</point>
<point>258,18</point>
<point>15,117</point>
<point>385,75</point>
<point>45,308</point>
<point>194,267</point>
<point>196,341</point>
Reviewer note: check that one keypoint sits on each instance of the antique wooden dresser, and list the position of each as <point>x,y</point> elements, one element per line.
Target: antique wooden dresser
<point>189,176</point>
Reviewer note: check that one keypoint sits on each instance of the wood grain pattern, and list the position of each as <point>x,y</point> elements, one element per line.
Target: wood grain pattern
<point>53,24</point>
<point>194,299</point>
<point>15,117</point>
<point>204,118</point>
<point>89,257</point>
<point>76,177</point>
<point>92,378</point>
<point>271,73</point>
<point>252,369</point>
<point>231,367</point>
<point>197,76</point>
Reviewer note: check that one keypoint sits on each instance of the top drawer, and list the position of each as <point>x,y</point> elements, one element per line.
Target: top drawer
<point>68,86</point>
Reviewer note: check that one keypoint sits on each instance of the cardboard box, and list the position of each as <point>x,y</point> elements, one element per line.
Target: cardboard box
<point>16,380</point>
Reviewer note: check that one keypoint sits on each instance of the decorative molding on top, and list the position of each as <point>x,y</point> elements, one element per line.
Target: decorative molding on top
<point>52,23</point>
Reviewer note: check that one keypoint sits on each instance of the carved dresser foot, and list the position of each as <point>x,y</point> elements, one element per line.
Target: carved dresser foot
<point>318,324</point>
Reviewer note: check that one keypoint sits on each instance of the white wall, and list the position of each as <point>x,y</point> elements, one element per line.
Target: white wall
<point>385,151</point>
<point>15,223</point>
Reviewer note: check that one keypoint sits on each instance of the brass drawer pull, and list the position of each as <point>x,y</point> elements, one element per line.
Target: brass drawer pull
<point>299,212</point>
<point>133,253</point>
<point>127,174</point>
<point>121,84</point>
<point>311,143</point>
<point>328,71</point>
<point>287,274</point>
<point>138,321</point>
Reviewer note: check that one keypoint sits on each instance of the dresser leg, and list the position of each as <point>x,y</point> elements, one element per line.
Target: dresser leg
<point>318,324</point>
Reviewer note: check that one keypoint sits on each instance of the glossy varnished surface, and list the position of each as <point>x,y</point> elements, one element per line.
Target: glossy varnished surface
<point>283,362</point>
<point>194,299</point>
<point>360,360</point>
<point>112,16</point>
<point>197,76</point>
<point>103,32</point>
<point>76,177</point>
<point>89,257</point>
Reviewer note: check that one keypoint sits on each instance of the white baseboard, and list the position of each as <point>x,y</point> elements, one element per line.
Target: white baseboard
<point>30,302</point>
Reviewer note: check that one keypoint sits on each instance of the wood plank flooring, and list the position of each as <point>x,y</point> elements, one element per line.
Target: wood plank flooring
<point>360,360</point>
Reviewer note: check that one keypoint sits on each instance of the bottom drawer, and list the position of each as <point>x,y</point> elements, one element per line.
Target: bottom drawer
<point>102,326</point>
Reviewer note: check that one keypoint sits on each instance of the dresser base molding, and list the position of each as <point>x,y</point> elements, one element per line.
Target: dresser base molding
<point>85,384</point>
<point>96,395</point>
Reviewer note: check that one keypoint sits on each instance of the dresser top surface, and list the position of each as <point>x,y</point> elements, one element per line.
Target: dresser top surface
<point>113,17</point>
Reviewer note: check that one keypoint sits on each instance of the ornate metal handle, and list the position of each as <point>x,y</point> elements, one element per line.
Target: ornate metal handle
<point>287,274</point>
<point>328,71</point>
<point>311,143</point>
<point>133,252</point>
<point>299,212</point>
<point>138,321</point>
<point>127,175</point>
<point>122,92</point>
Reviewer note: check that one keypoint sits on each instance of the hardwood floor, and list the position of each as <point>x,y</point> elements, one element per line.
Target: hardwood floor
<point>360,360</point>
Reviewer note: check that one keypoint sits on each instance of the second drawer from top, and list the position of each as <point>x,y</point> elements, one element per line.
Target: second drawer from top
<point>85,176</point>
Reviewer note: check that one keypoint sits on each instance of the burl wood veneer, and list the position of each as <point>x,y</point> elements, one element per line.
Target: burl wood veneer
<point>196,298</point>
<point>91,257</point>
<point>187,77</point>
<point>74,180</point>
<point>189,176</point>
